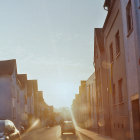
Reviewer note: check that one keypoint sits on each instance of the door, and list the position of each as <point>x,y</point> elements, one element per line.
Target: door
<point>136,119</point>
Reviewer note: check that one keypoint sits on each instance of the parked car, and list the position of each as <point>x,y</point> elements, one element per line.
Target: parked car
<point>22,129</point>
<point>8,131</point>
<point>67,126</point>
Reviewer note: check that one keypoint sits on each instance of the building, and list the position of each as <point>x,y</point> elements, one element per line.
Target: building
<point>40,102</point>
<point>84,118</point>
<point>23,113</point>
<point>102,68</point>
<point>110,72</point>
<point>30,102</point>
<point>8,71</point>
<point>131,33</point>
<point>35,92</point>
<point>84,104</point>
<point>10,91</point>
<point>116,60</point>
<point>75,108</point>
<point>45,112</point>
<point>20,100</point>
<point>91,103</point>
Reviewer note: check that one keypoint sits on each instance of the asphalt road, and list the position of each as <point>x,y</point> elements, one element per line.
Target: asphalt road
<point>53,133</point>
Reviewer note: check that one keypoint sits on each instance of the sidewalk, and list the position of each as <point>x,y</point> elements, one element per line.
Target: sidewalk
<point>92,135</point>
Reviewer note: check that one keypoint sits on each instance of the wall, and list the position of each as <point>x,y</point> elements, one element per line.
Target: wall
<point>91,94</point>
<point>119,110</point>
<point>132,54</point>
<point>6,97</point>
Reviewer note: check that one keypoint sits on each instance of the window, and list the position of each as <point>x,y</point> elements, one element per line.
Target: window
<point>129,16</point>
<point>117,38</point>
<point>111,53</point>
<point>120,90</point>
<point>118,125</point>
<point>114,94</point>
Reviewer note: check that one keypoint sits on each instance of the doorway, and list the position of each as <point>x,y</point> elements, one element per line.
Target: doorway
<point>136,119</point>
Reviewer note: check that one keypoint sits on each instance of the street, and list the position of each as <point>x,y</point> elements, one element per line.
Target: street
<point>53,133</point>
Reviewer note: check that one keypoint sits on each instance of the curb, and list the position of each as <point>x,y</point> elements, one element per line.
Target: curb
<point>95,136</point>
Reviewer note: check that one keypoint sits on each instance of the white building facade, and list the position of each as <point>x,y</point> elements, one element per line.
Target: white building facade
<point>131,30</point>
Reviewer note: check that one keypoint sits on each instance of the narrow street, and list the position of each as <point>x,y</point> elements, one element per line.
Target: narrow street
<point>53,133</point>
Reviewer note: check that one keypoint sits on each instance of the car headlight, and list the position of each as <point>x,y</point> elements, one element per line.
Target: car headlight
<point>7,138</point>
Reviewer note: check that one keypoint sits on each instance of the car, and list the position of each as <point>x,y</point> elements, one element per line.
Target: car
<point>22,129</point>
<point>67,126</point>
<point>8,131</point>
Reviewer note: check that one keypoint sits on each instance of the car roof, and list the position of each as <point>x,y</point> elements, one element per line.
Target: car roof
<point>7,122</point>
<point>2,121</point>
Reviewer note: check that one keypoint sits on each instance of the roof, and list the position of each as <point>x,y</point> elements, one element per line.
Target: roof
<point>7,67</point>
<point>35,85</point>
<point>83,83</point>
<point>109,4</point>
<point>91,79</point>
<point>23,79</point>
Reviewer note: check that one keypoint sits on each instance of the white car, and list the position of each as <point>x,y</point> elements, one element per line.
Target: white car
<point>8,131</point>
<point>67,126</point>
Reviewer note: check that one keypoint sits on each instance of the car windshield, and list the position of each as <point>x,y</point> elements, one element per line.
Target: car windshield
<point>2,126</point>
<point>9,126</point>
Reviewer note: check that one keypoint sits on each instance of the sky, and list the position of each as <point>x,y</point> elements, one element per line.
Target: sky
<point>52,41</point>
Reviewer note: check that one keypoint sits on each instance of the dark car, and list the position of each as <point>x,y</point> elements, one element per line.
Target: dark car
<point>67,126</point>
<point>8,131</point>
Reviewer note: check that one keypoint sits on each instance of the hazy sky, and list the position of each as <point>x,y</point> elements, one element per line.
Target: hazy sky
<point>52,41</point>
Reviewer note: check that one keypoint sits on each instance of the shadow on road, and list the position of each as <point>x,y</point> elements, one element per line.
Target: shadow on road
<point>69,137</point>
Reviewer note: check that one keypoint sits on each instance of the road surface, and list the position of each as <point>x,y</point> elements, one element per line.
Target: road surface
<point>53,133</point>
